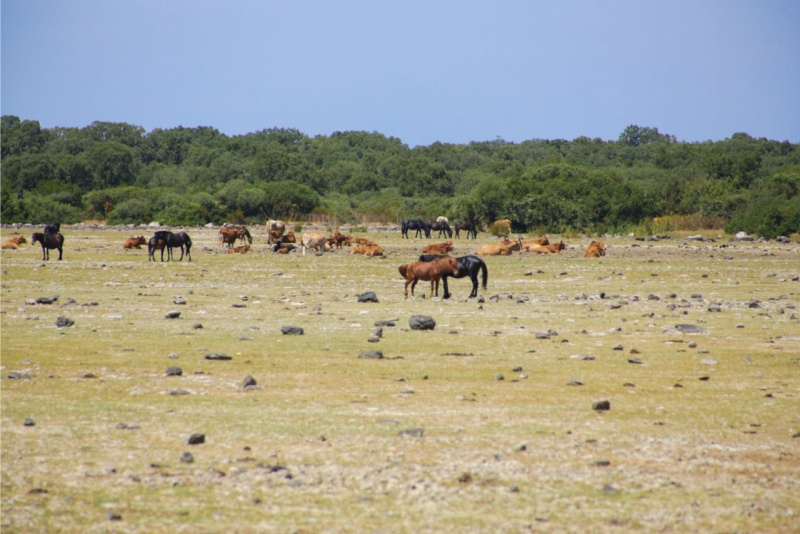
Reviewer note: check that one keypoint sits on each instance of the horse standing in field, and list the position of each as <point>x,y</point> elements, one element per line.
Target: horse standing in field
<point>153,245</point>
<point>470,227</point>
<point>467,266</point>
<point>228,234</point>
<point>442,225</point>
<point>49,242</point>
<point>415,224</point>
<point>179,240</point>
<point>428,271</point>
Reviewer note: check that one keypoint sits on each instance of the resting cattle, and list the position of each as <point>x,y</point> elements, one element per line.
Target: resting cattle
<point>14,242</point>
<point>502,227</point>
<point>275,230</point>
<point>553,248</point>
<point>428,271</point>
<point>528,244</point>
<point>313,240</point>
<point>288,238</point>
<point>368,249</point>
<point>340,240</point>
<point>241,249</point>
<point>438,248</point>
<point>595,250</point>
<point>134,242</point>
<point>505,248</point>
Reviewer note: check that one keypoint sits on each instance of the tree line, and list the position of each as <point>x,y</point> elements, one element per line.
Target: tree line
<point>120,173</point>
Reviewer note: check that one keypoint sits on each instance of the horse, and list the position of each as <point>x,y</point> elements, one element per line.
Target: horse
<point>48,242</point>
<point>428,271</point>
<point>171,241</point>
<point>467,266</point>
<point>228,234</point>
<point>416,224</point>
<point>442,225</point>
<point>52,228</point>
<point>155,244</point>
<point>470,227</point>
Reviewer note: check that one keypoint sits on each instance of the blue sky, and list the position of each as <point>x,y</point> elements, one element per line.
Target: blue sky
<point>422,71</point>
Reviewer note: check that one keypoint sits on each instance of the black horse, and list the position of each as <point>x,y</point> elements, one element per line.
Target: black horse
<point>470,227</point>
<point>52,228</point>
<point>48,242</point>
<point>442,227</point>
<point>418,225</point>
<point>467,266</point>
<point>179,240</point>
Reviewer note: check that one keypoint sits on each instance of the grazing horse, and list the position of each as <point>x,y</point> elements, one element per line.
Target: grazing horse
<point>228,234</point>
<point>442,225</point>
<point>171,241</point>
<point>48,242</point>
<point>416,224</point>
<point>428,271</point>
<point>470,227</point>
<point>467,266</point>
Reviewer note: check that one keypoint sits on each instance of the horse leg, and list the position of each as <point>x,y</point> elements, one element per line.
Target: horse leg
<point>446,291</point>
<point>408,281</point>
<point>60,253</point>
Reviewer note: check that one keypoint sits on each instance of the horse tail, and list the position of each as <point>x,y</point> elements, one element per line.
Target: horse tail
<point>484,272</point>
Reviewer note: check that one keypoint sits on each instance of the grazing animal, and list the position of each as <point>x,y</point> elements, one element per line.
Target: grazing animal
<point>52,228</point>
<point>368,249</point>
<point>553,248</point>
<point>14,242</point>
<point>49,242</point>
<point>155,244</point>
<point>528,244</point>
<point>314,241</point>
<point>228,234</point>
<point>418,225</point>
<point>442,225</point>
<point>595,250</point>
<point>428,271</point>
<point>134,242</point>
<point>241,249</point>
<point>288,238</point>
<point>470,227</point>
<point>180,240</point>
<point>275,229</point>
<point>505,248</point>
<point>467,266</point>
<point>340,240</point>
<point>438,248</point>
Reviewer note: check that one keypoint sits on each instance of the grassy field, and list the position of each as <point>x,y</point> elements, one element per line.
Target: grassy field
<point>472,427</point>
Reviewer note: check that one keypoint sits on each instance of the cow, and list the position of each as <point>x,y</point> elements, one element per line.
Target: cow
<point>275,230</point>
<point>595,250</point>
<point>553,248</point>
<point>505,248</point>
<point>14,242</point>
<point>428,271</point>
<point>134,242</point>
<point>369,250</point>
<point>241,249</point>
<point>502,227</point>
<point>528,244</point>
<point>438,248</point>
<point>289,237</point>
<point>314,241</point>
<point>340,240</point>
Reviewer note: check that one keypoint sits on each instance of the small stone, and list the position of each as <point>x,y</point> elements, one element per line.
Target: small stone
<point>601,405</point>
<point>574,382</point>
<point>542,335</point>
<point>378,332</point>
<point>172,315</point>
<point>197,326</point>
<point>292,331</point>
<point>249,382</point>
<point>369,296</point>
<point>217,356</point>
<point>618,347</point>
<point>174,371</point>
<point>197,439</point>
<point>387,322</point>
<point>371,355</point>
<point>112,516</point>
<point>63,322</point>
<point>689,329</point>
<point>47,300</point>
<point>517,369</point>
<point>177,392</point>
<point>29,422</point>
<point>179,301</point>
<point>19,375</point>
<point>499,376</point>
<point>412,432</point>
<point>173,356</point>
<point>421,322</point>
<point>187,458</point>
<point>637,361</point>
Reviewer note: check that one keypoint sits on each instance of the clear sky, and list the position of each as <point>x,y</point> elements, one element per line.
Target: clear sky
<point>420,70</point>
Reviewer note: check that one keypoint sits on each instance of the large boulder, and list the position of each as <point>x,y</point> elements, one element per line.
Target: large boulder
<point>421,322</point>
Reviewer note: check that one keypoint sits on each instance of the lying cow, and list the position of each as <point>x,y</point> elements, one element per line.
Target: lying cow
<point>505,248</point>
<point>283,248</point>
<point>134,242</point>
<point>14,242</point>
<point>595,250</point>
<point>241,249</point>
<point>438,248</point>
<point>368,250</point>
<point>527,244</point>
<point>553,248</point>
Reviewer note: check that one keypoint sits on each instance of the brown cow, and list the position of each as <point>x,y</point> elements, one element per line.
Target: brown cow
<point>505,248</point>
<point>428,271</point>
<point>553,248</point>
<point>242,249</point>
<point>339,240</point>
<point>368,250</point>
<point>275,230</point>
<point>14,242</point>
<point>502,227</point>
<point>527,244</point>
<point>595,250</point>
<point>229,233</point>
<point>289,237</point>
<point>438,248</point>
<point>134,242</point>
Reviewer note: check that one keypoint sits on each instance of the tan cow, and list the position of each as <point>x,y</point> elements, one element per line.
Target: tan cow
<point>368,250</point>
<point>438,248</point>
<point>527,244</point>
<point>275,230</point>
<point>553,248</point>
<point>13,243</point>
<point>134,242</point>
<point>241,249</point>
<point>505,248</point>
<point>313,240</point>
<point>595,250</point>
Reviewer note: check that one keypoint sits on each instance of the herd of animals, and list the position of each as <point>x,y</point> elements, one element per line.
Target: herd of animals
<point>434,265</point>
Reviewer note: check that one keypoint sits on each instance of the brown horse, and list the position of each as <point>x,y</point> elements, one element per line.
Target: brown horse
<point>428,271</point>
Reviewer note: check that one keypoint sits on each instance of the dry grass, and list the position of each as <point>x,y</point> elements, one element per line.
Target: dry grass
<point>318,447</point>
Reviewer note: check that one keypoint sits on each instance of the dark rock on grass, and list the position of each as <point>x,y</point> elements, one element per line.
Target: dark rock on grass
<point>172,315</point>
<point>177,392</point>
<point>371,355</point>
<point>618,347</point>
<point>187,458</point>
<point>174,371</point>
<point>689,329</point>
<point>637,361</point>
<point>575,382</point>
<point>217,356</point>
<point>375,336</point>
<point>47,300</point>
<point>387,322</point>
<point>421,322</point>
<point>292,331</point>
<point>63,322</point>
<point>249,382</point>
<point>542,335</point>
<point>179,300</point>
<point>369,296</point>
<point>113,516</point>
<point>601,405</point>
<point>197,326</point>
<point>19,375</point>
<point>29,422</point>
<point>412,432</point>
<point>197,439</point>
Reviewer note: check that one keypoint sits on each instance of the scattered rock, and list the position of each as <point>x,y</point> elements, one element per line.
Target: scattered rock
<point>371,355</point>
<point>574,382</point>
<point>421,322</point>
<point>197,439</point>
<point>499,376</point>
<point>412,432</point>
<point>172,315</point>
<point>542,335</point>
<point>218,356</point>
<point>387,322</point>
<point>197,326</point>
<point>179,300</point>
<point>689,329</point>
<point>63,322</point>
<point>522,447</point>
<point>369,296</point>
<point>47,300</point>
<point>249,382</point>
<point>19,375</point>
<point>29,422</point>
<point>128,426</point>
<point>618,347</point>
<point>601,405</point>
<point>637,361</point>
<point>174,371</point>
<point>178,392</point>
<point>173,356</point>
<point>292,331</point>
<point>187,458</point>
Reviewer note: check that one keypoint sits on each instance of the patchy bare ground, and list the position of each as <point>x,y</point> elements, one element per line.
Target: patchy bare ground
<point>473,427</point>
